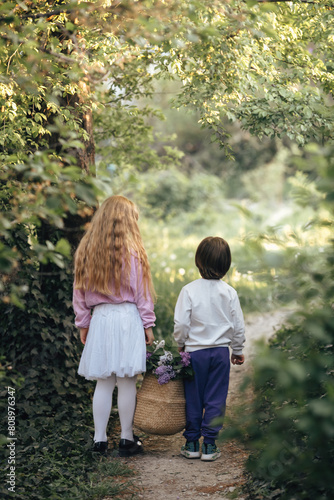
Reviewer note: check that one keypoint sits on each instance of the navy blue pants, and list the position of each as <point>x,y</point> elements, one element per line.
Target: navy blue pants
<point>207,392</point>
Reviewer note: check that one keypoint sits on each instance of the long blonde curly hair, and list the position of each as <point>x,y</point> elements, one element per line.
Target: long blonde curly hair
<point>103,258</point>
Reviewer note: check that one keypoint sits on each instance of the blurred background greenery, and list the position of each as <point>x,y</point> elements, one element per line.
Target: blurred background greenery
<point>266,203</point>
<point>275,207</point>
<point>86,111</point>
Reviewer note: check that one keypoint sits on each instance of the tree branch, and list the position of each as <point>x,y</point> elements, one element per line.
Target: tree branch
<point>55,12</point>
<point>296,2</point>
<point>9,17</point>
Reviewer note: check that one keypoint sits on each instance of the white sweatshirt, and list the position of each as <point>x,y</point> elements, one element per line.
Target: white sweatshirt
<point>208,314</point>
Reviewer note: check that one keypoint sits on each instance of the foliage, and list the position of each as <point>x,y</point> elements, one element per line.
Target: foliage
<point>91,61</point>
<point>165,194</point>
<point>199,154</point>
<point>40,350</point>
<point>264,63</point>
<point>82,62</point>
<point>55,59</point>
<point>72,75</point>
<point>165,361</point>
<point>292,431</point>
<point>290,427</point>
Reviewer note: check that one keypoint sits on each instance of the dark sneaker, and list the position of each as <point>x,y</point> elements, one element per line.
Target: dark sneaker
<point>137,440</point>
<point>210,452</point>
<point>129,448</point>
<point>191,449</point>
<point>100,447</point>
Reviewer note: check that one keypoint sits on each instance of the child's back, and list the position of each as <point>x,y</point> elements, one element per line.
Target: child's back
<point>208,320</point>
<point>208,314</point>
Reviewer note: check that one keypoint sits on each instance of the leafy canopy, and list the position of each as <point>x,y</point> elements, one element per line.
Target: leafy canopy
<point>72,72</point>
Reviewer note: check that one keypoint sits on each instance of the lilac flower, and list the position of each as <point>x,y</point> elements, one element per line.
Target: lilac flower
<point>164,379</point>
<point>170,365</point>
<point>165,374</point>
<point>166,358</point>
<point>161,370</point>
<point>185,358</point>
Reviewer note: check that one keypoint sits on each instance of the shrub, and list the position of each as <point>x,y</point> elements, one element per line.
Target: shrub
<point>289,427</point>
<point>40,352</point>
<point>291,432</point>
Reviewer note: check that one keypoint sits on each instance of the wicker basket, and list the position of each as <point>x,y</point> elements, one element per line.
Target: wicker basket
<point>160,408</point>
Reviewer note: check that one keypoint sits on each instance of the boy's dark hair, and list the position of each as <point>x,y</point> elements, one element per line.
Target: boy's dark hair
<point>213,258</point>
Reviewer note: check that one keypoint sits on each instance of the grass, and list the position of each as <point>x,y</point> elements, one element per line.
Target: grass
<point>111,480</point>
<point>60,466</point>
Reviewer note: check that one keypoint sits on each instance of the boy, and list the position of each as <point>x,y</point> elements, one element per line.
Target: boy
<point>208,319</point>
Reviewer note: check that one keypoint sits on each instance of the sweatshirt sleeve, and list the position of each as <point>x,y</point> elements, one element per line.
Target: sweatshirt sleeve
<point>144,302</point>
<point>182,316</point>
<point>81,310</point>
<point>238,339</point>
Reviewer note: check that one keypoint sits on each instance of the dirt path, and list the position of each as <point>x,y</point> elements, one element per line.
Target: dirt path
<point>163,474</point>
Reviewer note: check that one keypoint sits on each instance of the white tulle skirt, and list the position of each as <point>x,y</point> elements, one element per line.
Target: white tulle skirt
<point>115,343</point>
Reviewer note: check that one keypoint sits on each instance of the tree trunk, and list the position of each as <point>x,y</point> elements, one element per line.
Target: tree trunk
<point>86,156</point>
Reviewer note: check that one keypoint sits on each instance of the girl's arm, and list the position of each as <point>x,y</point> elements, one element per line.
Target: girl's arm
<point>81,310</point>
<point>83,335</point>
<point>143,300</point>
<point>149,336</point>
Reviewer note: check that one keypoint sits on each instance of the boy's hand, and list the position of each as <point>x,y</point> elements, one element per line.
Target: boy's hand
<point>83,334</point>
<point>149,337</point>
<point>237,359</point>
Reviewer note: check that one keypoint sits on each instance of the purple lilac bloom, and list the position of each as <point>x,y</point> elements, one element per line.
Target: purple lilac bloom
<point>161,370</point>
<point>185,358</point>
<point>148,355</point>
<point>165,374</point>
<point>164,379</point>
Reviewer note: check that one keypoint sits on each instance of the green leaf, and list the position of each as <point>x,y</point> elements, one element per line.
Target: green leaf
<point>63,247</point>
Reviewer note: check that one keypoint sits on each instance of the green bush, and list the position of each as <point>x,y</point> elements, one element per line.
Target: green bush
<point>289,427</point>
<point>291,432</point>
<point>169,194</point>
<point>40,350</point>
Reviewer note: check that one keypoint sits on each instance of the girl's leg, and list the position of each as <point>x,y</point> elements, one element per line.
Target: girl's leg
<point>126,405</point>
<point>216,391</point>
<point>102,402</point>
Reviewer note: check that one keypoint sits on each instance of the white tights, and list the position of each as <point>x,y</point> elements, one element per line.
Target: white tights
<point>102,402</point>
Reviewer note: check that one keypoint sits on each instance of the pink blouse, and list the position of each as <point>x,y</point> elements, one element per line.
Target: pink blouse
<point>85,300</point>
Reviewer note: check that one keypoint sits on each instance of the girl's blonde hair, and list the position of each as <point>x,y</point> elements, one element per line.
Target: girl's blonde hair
<point>102,260</point>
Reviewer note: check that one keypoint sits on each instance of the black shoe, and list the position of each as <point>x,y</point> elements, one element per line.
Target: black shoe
<point>129,448</point>
<point>100,447</point>
<point>137,440</point>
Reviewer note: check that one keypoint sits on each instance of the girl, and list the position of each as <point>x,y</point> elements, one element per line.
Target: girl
<point>112,277</point>
<point>208,319</point>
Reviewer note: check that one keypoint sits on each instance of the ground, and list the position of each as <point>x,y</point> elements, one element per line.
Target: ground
<point>163,474</point>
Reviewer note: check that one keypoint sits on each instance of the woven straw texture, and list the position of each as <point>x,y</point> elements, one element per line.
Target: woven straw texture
<point>160,408</point>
